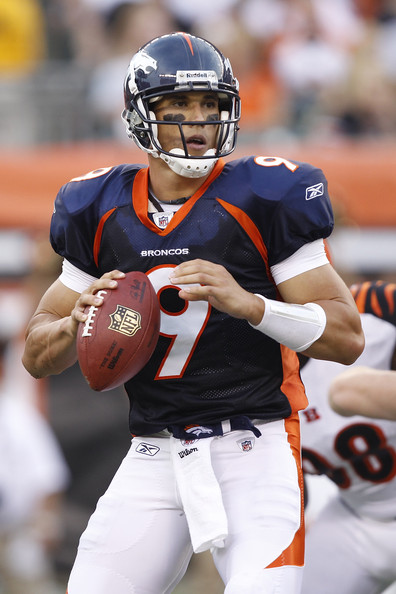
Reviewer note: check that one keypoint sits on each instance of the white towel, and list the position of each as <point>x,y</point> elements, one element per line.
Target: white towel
<point>200,493</point>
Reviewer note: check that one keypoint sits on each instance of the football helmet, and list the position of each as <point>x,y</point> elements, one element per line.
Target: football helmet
<point>180,62</point>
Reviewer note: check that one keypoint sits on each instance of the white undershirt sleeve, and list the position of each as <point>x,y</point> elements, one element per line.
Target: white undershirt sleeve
<point>75,279</point>
<point>309,256</point>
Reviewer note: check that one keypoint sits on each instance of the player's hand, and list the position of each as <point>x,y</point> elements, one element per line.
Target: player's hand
<point>201,280</point>
<point>50,346</point>
<point>91,295</point>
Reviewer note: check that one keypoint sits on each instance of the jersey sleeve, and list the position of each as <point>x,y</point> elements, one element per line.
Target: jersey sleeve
<point>73,228</point>
<point>377,298</point>
<point>80,206</point>
<point>294,206</point>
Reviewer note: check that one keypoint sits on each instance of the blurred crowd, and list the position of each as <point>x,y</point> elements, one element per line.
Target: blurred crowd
<point>34,474</point>
<point>310,69</point>
<point>60,441</point>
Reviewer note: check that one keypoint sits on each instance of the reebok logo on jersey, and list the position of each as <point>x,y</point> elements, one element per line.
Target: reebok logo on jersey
<point>147,449</point>
<point>314,191</point>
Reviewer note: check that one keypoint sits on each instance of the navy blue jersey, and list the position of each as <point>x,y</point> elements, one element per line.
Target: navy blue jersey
<point>248,215</point>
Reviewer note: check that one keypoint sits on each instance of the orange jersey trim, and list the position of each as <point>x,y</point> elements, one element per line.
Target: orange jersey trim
<point>250,228</point>
<point>292,385</point>
<point>98,235</point>
<point>140,199</point>
<point>295,552</point>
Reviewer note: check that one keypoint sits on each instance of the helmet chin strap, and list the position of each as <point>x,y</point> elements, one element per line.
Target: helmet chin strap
<point>189,167</point>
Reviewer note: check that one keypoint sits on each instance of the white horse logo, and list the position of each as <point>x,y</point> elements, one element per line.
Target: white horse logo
<point>199,429</point>
<point>140,61</point>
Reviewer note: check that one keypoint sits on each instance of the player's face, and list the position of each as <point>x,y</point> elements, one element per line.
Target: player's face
<point>194,106</point>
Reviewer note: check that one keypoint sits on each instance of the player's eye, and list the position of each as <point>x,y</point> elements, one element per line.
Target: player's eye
<point>179,103</point>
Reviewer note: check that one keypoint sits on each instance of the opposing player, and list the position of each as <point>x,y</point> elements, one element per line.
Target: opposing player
<point>356,530</point>
<point>235,253</point>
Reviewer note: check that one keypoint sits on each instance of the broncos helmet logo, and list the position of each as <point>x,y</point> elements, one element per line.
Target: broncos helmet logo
<point>143,61</point>
<point>198,429</point>
<point>140,61</point>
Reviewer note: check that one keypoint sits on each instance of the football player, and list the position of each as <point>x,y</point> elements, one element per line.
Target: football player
<point>235,253</point>
<point>356,529</point>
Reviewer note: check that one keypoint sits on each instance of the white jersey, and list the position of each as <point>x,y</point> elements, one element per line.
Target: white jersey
<point>357,453</point>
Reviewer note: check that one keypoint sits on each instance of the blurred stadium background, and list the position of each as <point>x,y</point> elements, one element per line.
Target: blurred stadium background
<point>318,84</point>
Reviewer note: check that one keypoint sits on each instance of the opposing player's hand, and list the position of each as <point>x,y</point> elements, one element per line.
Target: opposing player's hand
<point>91,296</point>
<point>201,280</point>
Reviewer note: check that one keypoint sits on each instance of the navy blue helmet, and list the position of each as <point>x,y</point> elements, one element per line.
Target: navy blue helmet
<point>176,63</point>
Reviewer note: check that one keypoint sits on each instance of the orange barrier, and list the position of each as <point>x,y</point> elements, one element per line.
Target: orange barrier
<point>362,177</point>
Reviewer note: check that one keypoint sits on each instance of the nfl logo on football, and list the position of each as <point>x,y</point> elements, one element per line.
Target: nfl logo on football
<point>125,320</point>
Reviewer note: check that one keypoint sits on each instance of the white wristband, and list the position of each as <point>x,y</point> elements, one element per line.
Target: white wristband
<point>295,326</point>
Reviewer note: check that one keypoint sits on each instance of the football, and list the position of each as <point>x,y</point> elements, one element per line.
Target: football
<point>119,337</point>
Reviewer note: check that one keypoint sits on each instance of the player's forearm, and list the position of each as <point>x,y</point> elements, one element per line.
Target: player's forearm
<point>342,339</point>
<point>322,330</point>
<point>364,391</point>
<point>50,347</point>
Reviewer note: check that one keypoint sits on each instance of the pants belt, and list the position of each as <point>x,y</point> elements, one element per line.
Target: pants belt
<point>195,431</point>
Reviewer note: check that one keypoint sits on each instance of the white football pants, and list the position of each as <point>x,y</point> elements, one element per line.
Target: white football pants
<point>138,542</point>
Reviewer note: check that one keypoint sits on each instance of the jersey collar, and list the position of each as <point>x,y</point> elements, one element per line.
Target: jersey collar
<point>140,196</point>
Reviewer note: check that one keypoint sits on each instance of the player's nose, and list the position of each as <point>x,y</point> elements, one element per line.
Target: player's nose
<point>196,112</point>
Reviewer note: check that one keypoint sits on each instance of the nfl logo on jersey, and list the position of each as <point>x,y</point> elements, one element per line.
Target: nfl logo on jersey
<point>246,444</point>
<point>161,219</point>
